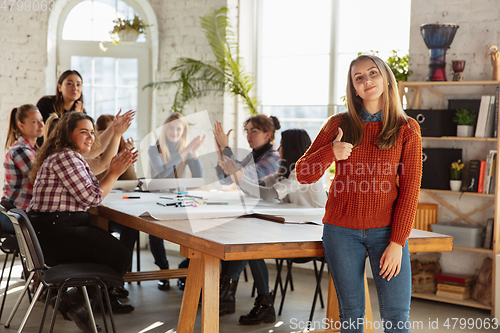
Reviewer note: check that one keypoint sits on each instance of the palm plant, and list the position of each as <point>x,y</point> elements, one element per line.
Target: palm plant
<point>194,78</point>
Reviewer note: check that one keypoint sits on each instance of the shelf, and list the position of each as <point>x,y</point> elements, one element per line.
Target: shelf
<point>472,249</point>
<point>465,302</point>
<point>449,83</point>
<point>459,138</point>
<point>492,196</point>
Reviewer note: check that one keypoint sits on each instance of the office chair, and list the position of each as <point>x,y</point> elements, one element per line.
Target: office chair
<point>318,273</point>
<point>58,277</point>
<point>9,246</point>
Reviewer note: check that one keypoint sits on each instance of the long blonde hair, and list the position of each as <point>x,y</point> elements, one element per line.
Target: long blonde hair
<point>161,143</point>
<point>17,115</point>
<point>393,116</point>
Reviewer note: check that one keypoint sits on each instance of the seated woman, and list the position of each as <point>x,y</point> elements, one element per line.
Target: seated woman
<point>128,236</point>
<point>64,188</point>
<point>260,131</point>
<point>263,161</point>
<point>25,127</point>
<point>282,185</point>
<point>168,159</point>
<point>69,98</point>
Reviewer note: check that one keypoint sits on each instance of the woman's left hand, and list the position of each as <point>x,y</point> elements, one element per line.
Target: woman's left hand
<point>79,106</point>
<point>129,144</point>
<point>231,168</point>
<point>120,163</point>
<point>390,263</point>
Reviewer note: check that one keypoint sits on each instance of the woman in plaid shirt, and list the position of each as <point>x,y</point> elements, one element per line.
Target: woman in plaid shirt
<point>25,127</point>
<point>64,188</point>
<point>262,162</point>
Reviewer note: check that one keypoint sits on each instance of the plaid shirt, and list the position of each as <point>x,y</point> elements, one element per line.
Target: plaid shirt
<point>17,187</point>
<point>65,183</point>
<point>265,165</point>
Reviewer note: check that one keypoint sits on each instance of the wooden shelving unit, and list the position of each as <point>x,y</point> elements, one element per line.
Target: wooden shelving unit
<point>490,199</point>
<point>465,302</point>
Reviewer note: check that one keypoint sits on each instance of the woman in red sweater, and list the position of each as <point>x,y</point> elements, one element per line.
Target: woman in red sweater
<point>373,197</point>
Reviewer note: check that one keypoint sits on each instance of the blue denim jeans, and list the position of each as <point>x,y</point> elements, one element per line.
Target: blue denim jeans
<point>346,251</point>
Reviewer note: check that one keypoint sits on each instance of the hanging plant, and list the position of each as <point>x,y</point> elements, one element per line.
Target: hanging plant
<point>125,28</point>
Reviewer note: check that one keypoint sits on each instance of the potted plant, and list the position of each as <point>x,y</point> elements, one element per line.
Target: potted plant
<point>196,78</point>
<point>127,30</point>
<point>456,175</point>
<point>465,121</point>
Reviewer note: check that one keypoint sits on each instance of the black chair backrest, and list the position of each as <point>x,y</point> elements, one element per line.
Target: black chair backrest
<point>26,238</point>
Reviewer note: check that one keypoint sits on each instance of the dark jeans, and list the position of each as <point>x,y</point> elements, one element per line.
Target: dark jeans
<point>68,237</point>
<point>129,236</point>
<point>259,272</point>
<point>158,251</point>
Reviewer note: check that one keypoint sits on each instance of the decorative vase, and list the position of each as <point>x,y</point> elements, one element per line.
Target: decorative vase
<point>458,68</point>
<point>438,38</point>
<point>455,185</point>
<point>128,36</point>
<point>465,131</point>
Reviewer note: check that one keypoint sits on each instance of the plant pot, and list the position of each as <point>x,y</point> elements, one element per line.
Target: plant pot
<point>128,36</point>
<point>465,131</point>
<point>455,185</point>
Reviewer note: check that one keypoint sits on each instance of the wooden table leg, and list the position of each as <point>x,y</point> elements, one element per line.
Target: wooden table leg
<point>203,271</point>
<point>368,310</point>
<point>191,296</point>
<point>210,301</point>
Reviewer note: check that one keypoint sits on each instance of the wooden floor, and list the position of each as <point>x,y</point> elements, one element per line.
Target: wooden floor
<point>157,311</point>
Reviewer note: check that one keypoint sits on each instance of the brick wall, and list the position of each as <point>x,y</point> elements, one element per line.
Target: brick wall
<point>23,55</point>
<point>479,28</point>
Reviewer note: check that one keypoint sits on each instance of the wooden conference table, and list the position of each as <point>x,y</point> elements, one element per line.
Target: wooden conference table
<point>207,241</point>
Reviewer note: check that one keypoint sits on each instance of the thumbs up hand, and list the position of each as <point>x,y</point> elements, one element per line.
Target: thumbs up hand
<point>341,150</point>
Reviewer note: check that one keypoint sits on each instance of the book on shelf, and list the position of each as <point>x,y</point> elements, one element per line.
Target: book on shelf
<point>482,172</point>
<point>490,119</point>
<point>482,117</point>
<point>453,295</point>
<point>473,177</point>
<point>488,234</point>
<point>455,279</point>
<point>495,123</point>
<point>490,170</point>
<point>453,289</point>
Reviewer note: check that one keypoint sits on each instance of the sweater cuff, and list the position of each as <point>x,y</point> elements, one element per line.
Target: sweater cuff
<point>333,154</point>
<point>227,152</point>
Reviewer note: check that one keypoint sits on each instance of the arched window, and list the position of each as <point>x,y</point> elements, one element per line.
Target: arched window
<point>113,75</point>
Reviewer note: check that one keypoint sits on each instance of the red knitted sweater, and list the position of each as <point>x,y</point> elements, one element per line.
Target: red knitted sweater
<point>364,193</point>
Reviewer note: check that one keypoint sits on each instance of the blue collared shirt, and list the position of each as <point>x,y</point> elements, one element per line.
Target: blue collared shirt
<point>370,118</point>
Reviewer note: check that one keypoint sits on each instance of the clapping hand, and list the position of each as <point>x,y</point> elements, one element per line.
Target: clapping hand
<point>221,138</point>
<point>129,144</point>
<point>79,106</point>
<point>122,122</point>
<point>231,168</point>
<point>120,163</point>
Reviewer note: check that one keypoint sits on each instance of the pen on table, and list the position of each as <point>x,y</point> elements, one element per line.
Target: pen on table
<point>216,203</point>
<point>167,198</point>
<point>127,197</point>
<point>169,204</point>
<point>197,197</point>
